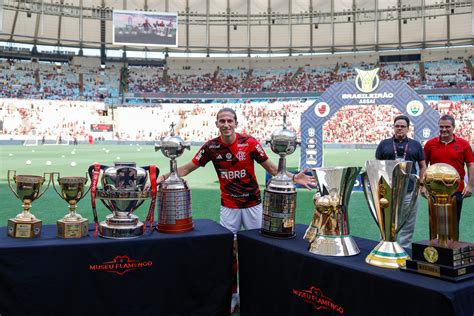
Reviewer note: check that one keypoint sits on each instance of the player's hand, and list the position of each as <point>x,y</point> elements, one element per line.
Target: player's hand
<point>304,180</point>
<point>467,192</point>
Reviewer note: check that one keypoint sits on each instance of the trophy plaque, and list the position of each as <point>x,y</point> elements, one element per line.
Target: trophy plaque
<point>174,196</point>
<point>329,230</point>
<point>279,199</point>
<point>385,187</point>
<point>443,256</point>
<point>123,191</point>
<point>71,190</point>
<point>25,224</point>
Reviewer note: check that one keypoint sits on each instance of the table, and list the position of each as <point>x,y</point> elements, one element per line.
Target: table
<point>280,277</point>
<point>156,274</point>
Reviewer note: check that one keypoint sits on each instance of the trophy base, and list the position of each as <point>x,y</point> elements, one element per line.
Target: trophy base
<point>457,254</point>
<point>121,232</point>
<point>72,229</point>
<point>278,235</point>
<point>23,229</point>
<point>453,274</point>
<point>338,246</point>
<point>181,226</point>
<point>387,254</point>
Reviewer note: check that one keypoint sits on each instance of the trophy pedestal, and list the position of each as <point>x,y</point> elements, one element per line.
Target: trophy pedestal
<point>279,214</point>
<point>72,229</point>
<point>453,264</point>
<point>24,229</point>
<point>388,254</point>
<point>180,226</point>
<point>334,246</point>
<point>174,215</point>
<point>121,228</point>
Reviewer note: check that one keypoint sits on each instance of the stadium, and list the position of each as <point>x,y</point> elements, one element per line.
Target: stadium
<point>84,81</point>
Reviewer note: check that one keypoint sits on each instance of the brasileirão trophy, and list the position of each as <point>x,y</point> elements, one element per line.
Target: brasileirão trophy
<point>279,199</point>
<point>72,190</point>
<point>385,187</point>
<point>329,230</point>
<point>123,190</point>
<point>25,224</point>
<point>443,256</point>
<point>174,196</point>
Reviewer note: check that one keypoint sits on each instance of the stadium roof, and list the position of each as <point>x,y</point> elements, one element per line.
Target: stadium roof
<point>249,26</point>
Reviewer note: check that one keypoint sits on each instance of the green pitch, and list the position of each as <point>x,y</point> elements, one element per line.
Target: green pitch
<point>74,161</point>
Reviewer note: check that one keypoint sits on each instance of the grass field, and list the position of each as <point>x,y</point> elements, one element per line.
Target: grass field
<point>203,183</point>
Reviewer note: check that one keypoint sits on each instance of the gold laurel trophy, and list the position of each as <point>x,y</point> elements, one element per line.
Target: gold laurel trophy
<point>443,256</point>
<point>25,224</point>
<point>385,188</point>
<point>329,230</point>
<point>72,190</point>
<point>279,198</point>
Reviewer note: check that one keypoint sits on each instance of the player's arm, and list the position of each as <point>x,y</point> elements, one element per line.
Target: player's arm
<point>300,178</point>
<point>182,171</point>
<point>467,192</point>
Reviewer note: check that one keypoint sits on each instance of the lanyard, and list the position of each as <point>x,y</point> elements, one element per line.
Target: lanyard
<point>404,151</point>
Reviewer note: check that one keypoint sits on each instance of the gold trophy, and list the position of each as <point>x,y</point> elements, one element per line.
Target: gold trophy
<point>25,224</point>
<point>72,191</point>
<point>443,256</point>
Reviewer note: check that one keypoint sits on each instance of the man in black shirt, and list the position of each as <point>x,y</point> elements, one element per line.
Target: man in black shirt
<point>402,148</point>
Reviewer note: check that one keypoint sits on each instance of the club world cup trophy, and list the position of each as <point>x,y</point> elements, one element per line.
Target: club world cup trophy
<point>71,190</point>
<point>279,199</point>
<point>123,190</point>
<point>174,196</point>
<point>443,256</point>
<point>385,187</point>
<point>25,224</point>
<point>329,230</point>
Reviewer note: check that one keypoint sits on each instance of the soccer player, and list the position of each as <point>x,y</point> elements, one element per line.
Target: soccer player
<point>233,156</point>
<point>455,151</point>
<point>402,148</point>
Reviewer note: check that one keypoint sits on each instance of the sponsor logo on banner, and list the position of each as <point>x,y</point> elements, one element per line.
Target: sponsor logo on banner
<point>367,81</point>
<point>321,109</point>
<point>120,265</point>
<point>311,132</point>
<point>415,108</point>
<point>426,132</point>
<point>316,297</point>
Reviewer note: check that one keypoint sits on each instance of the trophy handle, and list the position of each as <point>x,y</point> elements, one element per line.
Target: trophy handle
<point>368,196</point>
<point>87,189</point>
<point>9,183</point>
<point>54,186</point>
<point>47,185</point>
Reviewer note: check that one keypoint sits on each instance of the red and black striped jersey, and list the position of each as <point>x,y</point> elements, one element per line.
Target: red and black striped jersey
<point>234,165</point>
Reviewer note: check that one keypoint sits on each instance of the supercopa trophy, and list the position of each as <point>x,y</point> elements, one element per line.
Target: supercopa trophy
<point>71,190</point>
<point>123,191</point>
<point>329,230</point>
<point>25,224</point>
<point>174,196</point>
<point>443,256</point>
<point>279,199</point>
<point>385,188</point>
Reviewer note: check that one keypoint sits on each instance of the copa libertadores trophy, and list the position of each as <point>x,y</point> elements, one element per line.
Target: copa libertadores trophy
<point>123,190</point>
<point>72,190</point>
<point>25,224</point>
<point>329,233</point>
<point>174,196</point>
<point>443,256</point>
<point>279,199</point>
<point>386,187</point>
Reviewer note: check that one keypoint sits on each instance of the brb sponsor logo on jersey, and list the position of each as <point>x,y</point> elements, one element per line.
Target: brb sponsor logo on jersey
<point>233,174</point>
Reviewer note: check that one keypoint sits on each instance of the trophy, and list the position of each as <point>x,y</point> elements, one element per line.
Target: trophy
<point>71,190</point>
<point>279,199</point>
<point>174,196</point>
<point>329,230</point>
<point>123,191</point>
<point>25,224</point>
<point>443,256</point>
<point>385,187</point>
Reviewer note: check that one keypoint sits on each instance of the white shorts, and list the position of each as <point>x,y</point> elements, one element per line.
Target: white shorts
<point>234,218</point>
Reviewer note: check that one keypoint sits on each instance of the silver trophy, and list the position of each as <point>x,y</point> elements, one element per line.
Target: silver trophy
<point>385,188</point>
<point>123,190</point>
<point>174,196</point>
<point>279,199</point>
<point>329,231</point>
